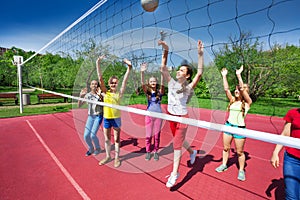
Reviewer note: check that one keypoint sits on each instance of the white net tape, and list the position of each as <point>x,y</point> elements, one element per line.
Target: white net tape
<point>257,135</point>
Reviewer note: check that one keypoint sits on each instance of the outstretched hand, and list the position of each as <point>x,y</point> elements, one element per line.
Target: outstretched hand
<point>200,47</point>
<point>98,91</point>
<point>163,44</point>
<point>100,58</point>
<point>127,62</point>
<point>239,71</point>
<point>224,72</point>
<point>83,92</point>
<point>143,66</point>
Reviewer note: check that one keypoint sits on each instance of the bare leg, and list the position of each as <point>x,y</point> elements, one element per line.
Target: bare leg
<point>187,146</point>
<point>227,139</point>
<point>176,162</point>
<point>117,141</point>
<point>239,144</point>
<point>107,138</point>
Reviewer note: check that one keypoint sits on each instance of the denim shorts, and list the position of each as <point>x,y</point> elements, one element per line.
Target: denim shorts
<point>108,123</point>
<point>234,135</point>
<point>291,171</point>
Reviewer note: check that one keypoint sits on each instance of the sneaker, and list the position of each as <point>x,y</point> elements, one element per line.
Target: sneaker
<point>117,162</point>
<point>221,168</point>
<point>96,152</point>
<point>148,156</point>
<point>104,161</point>
<point>88,153</point>
<point>193,157</point>
<point>155,156</point>
<point>172,180</point>
<point>241,175</point>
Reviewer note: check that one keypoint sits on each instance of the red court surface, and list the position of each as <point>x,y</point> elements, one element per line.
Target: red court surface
<point>42,157</point>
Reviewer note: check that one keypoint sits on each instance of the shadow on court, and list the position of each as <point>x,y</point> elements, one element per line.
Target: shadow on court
<point>278,186</point>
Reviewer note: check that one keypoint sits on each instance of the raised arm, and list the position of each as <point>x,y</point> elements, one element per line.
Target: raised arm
<point>197,77</point>
<point>143,68</point>
<point>164,70</point>
<point>126,76</point>
<point>244,92</point>
<point>82,95</point>
<point>225,83</point>
<point>162,87</point>
<point>99,73</point>
<point>275,158</point>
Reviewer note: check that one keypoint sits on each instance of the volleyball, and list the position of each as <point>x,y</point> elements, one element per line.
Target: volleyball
<point>149,5</point>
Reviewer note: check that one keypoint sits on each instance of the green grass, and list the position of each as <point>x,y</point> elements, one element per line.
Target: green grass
<point>274,106</point>
<point>264,106</point>
<point>47,106</point>
<point>14,111</point>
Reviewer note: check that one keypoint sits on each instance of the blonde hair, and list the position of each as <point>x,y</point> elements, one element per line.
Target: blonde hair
<point>156,91</point>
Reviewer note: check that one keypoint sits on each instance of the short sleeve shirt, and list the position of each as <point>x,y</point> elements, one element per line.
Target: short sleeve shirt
<point>293,117</point>
<point>177,102</point>
<point>93,109</point>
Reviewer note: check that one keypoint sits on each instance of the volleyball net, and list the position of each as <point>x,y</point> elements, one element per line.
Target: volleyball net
<point>122,29</point>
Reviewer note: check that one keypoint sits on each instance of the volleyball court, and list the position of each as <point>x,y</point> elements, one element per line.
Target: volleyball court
<point>43,158</point>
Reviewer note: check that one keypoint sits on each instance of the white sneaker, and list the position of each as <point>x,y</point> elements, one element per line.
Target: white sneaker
<point>172,180</point>
<point>193,157</point>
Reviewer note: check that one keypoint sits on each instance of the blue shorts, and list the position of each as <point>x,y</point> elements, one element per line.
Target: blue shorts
<point>108,123</point>
<point>234,135</point>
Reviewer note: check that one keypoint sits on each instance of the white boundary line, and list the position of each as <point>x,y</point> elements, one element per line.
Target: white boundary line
<point>59,164</point>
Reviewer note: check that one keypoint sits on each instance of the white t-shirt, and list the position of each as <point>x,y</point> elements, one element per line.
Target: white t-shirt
<point>177,102</point>
<point>94,109</point>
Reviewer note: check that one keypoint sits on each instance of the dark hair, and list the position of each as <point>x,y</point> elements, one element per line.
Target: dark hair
<point>189,68</point>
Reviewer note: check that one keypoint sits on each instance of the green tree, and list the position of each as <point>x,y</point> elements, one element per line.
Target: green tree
<point>260,67</point>
<point>8,71</point>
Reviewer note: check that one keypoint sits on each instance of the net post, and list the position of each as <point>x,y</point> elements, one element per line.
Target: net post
<point>18,60</point>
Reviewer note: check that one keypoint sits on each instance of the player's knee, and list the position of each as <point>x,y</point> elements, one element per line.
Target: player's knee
<point>117,139</point>
<point>226,149</point>
<point>240,153</point>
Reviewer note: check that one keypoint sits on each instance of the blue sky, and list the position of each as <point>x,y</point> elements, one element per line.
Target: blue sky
<point>32,24</point>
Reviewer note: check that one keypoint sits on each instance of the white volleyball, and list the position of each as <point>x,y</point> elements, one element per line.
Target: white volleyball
<point>149,5</point>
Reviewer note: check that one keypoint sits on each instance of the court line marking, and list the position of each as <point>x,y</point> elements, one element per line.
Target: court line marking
<point>60,165</point>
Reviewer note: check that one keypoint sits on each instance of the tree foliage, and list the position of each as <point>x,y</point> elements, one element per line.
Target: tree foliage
<point>263,70</point>
<point>274,72</point>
